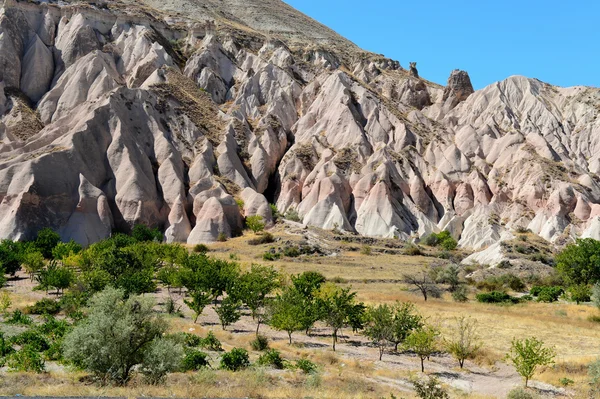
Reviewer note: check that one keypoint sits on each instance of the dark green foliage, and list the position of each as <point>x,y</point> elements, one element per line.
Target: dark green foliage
<point>291,252</point>
<point>189,340</point>
<point>285,310</point>
<point>580,293</point>
<point>255,223</point>
<point>17,317</point>
<point>211,343</point>
<point>26,359</point>
<point>265,238</point>
<point>546,294</point>
<point>270,256</point>
<point>11,254</point>
<point>306,366</point>
<point>32,338</point>
<point>496,297</point>
<point>272,358</point>
<point>142,233</point>
<point>44,306</point>
<point>5,346</point>
<point>194,360</point>
<point>198,301</point>
<point>201,248</point>
<point>406,321</point>
<point>380,326</point>
<point>45,241</point>
<point>235,360</point>
<point>443,240</point>
<point>260,343</point>
<point>579,263</point>
<point>499,283</point>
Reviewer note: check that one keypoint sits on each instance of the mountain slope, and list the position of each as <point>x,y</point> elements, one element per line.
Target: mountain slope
<point>190,115</point>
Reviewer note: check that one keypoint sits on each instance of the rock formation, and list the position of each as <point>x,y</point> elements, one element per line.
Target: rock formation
<point>191,115</point>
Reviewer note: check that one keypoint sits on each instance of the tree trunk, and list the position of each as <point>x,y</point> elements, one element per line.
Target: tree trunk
<point>257,327</point>
<point>290,335</point>
<point>422,365</point>
<point>334,339</point>
<point>381,353</point>
<point>396,346</point>
<point>461,362</point>
<point>196,319</point>
<point>424,294</point>
<point>526,382</point>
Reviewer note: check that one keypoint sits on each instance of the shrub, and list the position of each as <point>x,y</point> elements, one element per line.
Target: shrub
<point>443,240</point>
<point>235,360</point>
<point>255,223</point>
<point>412,250</point>
<point>594,376</point>
<point>291,252</point>
<point>142,233</point>
<point>366,250</point>
<point>31,338</point>
<point>260,343</point>
<point>293,216</point>
<point>275,212</point>
<point>162,356</point>
<point>5,346</point>
<point>520,393</point>
<point>102,344</point>
<point>45,241</point>
<point>189,340</point>
<point>10,257</point>
<point>62,250</point>
<point>496,297</point>
<point>546,294</point>
<point>194,360</point>
<point>266,238</point>
<point>222,237</point>
<point>26,359</point>
<point>580,293</point>
<point>460,294</point>
<point>271,358</point>
<point>201,248</point>
<point>44,306</point>
<point>211,343</point>
<point>306,366</point>
<point>270,256</point>
<point>429,389</point>
<point>17,317</point>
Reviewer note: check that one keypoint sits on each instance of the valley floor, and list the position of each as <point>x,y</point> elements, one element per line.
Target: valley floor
<point>353,371</point>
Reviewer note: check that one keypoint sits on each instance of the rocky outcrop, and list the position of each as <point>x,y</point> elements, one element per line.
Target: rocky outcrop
<point>122,115</point>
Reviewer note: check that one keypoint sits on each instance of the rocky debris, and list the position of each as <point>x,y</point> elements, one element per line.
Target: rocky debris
<point>122,115</point>
<point>458,89</point>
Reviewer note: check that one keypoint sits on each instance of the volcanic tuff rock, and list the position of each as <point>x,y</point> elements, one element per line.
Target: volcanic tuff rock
<point>193,114</point>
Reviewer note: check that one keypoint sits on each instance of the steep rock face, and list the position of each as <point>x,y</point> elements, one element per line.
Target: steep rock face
<point>122,115</point>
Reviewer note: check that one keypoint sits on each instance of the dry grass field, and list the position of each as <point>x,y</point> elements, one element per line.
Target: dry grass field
<point>353,371</point>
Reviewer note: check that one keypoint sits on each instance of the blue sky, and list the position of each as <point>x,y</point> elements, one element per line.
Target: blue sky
<point>555,41</point>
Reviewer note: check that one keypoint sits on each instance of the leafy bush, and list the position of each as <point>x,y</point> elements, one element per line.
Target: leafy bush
<point>162,356</point>
<point>201,248</point>
<point>412,250</point>
<point>580,293</point>
<point>26,359</point>
<point>291,251</point>
<point>270,256</point>
<point>260,343</point>
<point>460,294</point>
<point>546,293</point>
<point>293,216</point>
<point>102,344</point>
<point>275,212</point>
<point>271,358</point>
<point>222,237</point>
<point>194,360</point>
<point>520,393</point>
<point>443,240</point>
<point>266,238</point>
<point>44,306</point>
<point>5,346</point>
<point>235,360</point>
<point>189,340</point>
<point>31,338</point>
<point>496,297</point>
<point>366,250</point>
<point>142,233</point>
<point>17,317</point>
<point>62,250</point>
<point>11,256</point>
<point>255,223</point>
<point>211,343</point>
<point>306,366</point>
<point>429,389</point>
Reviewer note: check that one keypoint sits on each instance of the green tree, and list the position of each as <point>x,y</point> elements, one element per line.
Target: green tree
<point>423,283</point>
<point>55,276</point>
<point>33,261</point>
<point>580,293</point>
<point>11,253</point>
<point>62,250</point>
<point>307,284</point>
<point>423,342</point>
<point>197,302</point>
<point>253,289</point>
<point>116,335</point>
<point>255,223</point>
<point>406,320</point>
<point>464,342</point>
<point>380,326</point>
<point>336,305</point>
<point>46,240</point>
<point>228,311</point>
<point>284,311</point>
<point>579,263</point>
<point>528,354</point>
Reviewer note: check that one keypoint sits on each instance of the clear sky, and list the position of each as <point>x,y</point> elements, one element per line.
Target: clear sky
<point>557,41</point>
